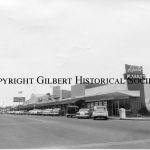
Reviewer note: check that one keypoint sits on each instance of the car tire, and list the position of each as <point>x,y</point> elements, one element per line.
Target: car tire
<point>94,118</point>
<point>106,118</point>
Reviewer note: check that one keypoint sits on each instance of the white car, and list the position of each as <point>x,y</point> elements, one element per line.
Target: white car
<point>84,113</point>
<point>100,112</point>
<point>10,112</point>
<point>56,112</point>
<point>18,112</point>
<point>21,112</point>
<point>35,111</point>
<point>47,112</point>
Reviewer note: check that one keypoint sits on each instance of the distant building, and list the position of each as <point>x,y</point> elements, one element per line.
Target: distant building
<point>77,90</point>
<point>37,98</point>
<point>133,97</point>
<point>59,94</point>
<point>65,94</point>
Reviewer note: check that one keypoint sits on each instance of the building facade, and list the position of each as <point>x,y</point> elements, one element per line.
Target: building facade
<point>132,97</point>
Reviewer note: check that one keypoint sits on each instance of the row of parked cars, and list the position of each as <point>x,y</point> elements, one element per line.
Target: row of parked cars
<point>72,111</point>
<point>52,112</point>
<point>96,112</point>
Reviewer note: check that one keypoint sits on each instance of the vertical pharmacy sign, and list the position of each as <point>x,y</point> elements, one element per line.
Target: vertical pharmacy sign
<point>134,75</point>
<point>134,71</point>
<point>135,80</point>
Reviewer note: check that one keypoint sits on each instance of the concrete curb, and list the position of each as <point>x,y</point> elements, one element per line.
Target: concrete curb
<point>114,118</point>
<point>134,119</point>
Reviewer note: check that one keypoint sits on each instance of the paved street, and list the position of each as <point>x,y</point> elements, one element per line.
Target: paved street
<point>61,132</point>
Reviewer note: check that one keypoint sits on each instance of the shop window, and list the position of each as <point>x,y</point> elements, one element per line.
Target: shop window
<point>88,105</point>
<point>101,103</point>
<point>96,103</point>
<point>92,105</point>
<point>105,103</point>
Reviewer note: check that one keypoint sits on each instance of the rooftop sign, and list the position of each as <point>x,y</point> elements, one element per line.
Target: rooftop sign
<point>134,69</point>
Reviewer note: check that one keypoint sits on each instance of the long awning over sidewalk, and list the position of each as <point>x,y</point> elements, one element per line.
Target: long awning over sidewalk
<point>113,95</point>
<point>96,97</point>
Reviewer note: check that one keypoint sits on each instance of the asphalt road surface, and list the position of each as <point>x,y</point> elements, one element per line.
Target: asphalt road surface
<point>21,131</point>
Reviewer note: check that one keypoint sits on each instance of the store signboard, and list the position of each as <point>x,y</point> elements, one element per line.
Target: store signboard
<point>133,71</point>
<point>134,76</point>
<point>19,99</point>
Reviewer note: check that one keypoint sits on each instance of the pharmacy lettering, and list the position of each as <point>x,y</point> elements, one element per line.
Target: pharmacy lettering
<point>135,82</point>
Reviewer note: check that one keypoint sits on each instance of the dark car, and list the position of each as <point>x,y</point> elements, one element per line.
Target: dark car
<point>71,111</point>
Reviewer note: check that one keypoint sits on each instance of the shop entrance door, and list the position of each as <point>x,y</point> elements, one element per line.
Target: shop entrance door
<point>110,108</point>
<point>116,108</point>
<point>113,108</point>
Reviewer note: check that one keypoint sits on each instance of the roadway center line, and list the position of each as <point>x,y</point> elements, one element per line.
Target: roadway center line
<point>92,145</point>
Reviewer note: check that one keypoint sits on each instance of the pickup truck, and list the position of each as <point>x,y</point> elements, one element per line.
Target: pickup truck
<point>71,111</point>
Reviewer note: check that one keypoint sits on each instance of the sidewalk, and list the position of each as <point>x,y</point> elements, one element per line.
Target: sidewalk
<point>137,118</point>
<point>130,118</point>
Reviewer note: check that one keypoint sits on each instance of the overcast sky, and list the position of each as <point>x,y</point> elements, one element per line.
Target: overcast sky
<point>64,38</point>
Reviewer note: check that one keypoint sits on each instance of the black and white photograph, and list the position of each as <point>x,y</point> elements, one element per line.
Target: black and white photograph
<point>74,74</point>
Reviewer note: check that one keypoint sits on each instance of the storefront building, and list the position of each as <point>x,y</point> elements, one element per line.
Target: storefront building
<point>132,97</point>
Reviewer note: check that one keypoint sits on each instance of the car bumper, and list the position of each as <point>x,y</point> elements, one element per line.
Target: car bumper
<point>82,116</point>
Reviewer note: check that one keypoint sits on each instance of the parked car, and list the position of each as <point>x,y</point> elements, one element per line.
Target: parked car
<point>26,112</point>
<point>21,112</point>
<point>71,111</point>
<point>84,113</point>
<point>39,112</point>
<point>100,112</point>
<point>34,112</point>
<point>1,112</point>
<point>11,112</point>
<point>17,112</point>
<point>47,112</point>
<point>56,112</point>
<point>30,112</point>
